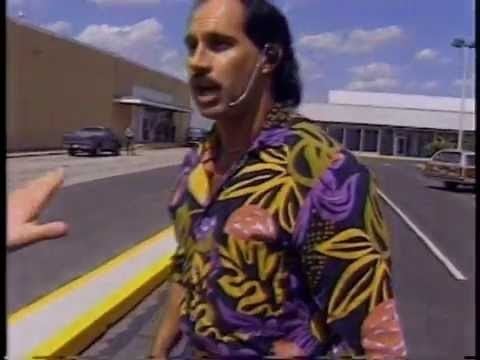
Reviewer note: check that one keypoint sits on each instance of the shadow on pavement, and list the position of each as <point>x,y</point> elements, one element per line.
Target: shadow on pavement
<point>97,155</point>
<point>459,189</point>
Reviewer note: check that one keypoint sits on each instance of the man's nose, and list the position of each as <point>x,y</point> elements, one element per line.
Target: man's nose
<point>199,61</point>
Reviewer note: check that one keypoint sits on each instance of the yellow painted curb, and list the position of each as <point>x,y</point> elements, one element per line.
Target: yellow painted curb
<point>81,281</point>
<point>89,326</point>
<point>85,328</point>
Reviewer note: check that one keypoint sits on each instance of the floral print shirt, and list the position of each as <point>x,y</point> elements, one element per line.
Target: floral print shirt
<point>290,255</point>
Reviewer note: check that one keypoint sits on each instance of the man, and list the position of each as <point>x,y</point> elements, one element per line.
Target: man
<point>282,249</point>
<point>129,135</point>
<point>24,207</point>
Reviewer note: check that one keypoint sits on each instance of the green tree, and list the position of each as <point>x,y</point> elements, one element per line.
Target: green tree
<point>436,145</point>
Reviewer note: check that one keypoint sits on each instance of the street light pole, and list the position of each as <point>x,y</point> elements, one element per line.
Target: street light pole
<point>462,103</point>
<point>461,44</point>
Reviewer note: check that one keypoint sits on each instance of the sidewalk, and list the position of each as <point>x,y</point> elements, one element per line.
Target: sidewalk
<point>48,152</point>
<point>389,157</point>
<point>161,146</point>
<point>35,153</point>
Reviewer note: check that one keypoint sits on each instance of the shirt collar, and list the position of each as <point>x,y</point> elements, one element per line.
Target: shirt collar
<point>278,117</point>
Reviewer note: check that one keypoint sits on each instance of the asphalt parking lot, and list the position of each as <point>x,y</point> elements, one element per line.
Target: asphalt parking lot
<point>436,308</point>
<point>82,168</point>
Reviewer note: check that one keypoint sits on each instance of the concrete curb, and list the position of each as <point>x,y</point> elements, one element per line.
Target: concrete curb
<point>49,152</point>
<point>69,319</point>
<point>36,153</point>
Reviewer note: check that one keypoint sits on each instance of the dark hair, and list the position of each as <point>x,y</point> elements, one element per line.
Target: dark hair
<point>265,24</point>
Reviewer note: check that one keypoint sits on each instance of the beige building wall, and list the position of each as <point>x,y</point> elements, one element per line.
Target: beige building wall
<point>56,85</point>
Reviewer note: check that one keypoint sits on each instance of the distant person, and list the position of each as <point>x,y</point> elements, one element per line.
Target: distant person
<point>129,135</point>
<point>24,206</point>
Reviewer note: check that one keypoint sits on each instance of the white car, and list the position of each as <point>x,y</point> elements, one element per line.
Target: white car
<point>453,167</point>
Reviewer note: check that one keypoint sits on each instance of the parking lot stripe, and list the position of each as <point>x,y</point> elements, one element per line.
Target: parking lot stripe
<point>54,296</point>
<point>457,274</point>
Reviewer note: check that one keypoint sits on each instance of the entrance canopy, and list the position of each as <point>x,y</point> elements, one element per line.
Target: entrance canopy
<point>132,100</point>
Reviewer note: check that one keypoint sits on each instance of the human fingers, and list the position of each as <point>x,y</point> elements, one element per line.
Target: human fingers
<point>38,192</point>
<point>31,232</point>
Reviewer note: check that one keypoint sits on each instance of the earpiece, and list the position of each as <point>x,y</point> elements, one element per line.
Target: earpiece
<point>271,53</point>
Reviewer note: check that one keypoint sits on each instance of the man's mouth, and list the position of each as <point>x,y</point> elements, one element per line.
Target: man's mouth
<point>206,95</point>
<point>205,89</point>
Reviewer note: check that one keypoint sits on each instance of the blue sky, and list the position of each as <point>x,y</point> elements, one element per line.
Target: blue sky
<point>400,46</point>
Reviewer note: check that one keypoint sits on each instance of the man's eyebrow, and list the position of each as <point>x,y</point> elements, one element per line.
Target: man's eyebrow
<point>190,38</point>
<point>218,36</point>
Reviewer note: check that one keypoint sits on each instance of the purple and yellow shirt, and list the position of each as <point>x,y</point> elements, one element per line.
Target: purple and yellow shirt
<point>290,255</point>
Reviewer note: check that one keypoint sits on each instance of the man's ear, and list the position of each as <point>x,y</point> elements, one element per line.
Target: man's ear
<point>273,56</point>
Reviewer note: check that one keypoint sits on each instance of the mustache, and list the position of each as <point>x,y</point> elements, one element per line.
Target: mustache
<point>202,80</point>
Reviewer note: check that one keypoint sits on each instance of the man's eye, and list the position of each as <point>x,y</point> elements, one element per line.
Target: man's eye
<point>191,48</point>
<point>219,46</point>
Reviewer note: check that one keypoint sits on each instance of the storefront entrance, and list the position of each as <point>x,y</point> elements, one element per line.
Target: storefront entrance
<point>400,145</point>
<point>157,126</point>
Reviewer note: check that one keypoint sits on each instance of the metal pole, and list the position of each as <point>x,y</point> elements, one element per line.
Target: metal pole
<point>473,59</point>
<point>462,103</point>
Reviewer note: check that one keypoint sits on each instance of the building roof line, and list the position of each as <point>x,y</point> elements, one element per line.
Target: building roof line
<point>133,100</point>
<point>401,101</point>
<point>394,107</point>
<point>89,46</point>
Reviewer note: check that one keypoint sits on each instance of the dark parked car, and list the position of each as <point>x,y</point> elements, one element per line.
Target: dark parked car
<point>92,140</point>
<point>452,167</point>
<point>196,135</point>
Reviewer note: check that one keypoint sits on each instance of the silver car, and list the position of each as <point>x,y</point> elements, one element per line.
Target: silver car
<point>453,167</point>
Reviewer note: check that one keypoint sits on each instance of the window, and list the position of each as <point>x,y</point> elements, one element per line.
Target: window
<point>196,131</point>
<point>336,133</point>
<point>470,160</point>
<point>451,157</point>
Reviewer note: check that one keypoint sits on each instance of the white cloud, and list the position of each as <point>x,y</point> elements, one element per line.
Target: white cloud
<point>375,84</point>
<point>143,42</point>
<point>357,41</point>
<point>148,32</point>
<point>426,54</point>
<point>63,28</point>
<point>373,76</point>
<point>431,55</point>
<point>327,41</point>
<point>372,71</point>
<point>309,67</point>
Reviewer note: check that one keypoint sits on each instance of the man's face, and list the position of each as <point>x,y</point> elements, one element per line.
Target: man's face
<point>221,56</point>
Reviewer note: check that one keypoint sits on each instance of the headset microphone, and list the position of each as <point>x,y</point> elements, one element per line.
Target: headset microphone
<point>269,55</point>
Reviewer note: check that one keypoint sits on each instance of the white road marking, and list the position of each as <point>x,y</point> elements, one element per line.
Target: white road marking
<point>438,254</point>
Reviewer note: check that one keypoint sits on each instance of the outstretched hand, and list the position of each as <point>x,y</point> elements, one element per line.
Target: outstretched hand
<point>24,208</point>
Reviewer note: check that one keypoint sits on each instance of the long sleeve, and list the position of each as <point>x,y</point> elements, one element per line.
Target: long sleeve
<point>344,248</point>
